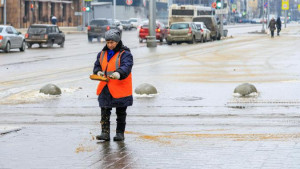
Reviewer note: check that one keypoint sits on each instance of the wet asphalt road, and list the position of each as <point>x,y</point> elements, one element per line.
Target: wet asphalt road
<point>194,122</point>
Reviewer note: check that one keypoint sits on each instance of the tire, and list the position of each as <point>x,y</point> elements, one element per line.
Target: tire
<point>193,40</point>
<point>23,47</point>
<point>62,44</point>
<point>7,47</point>
<point>29,45</point>
<point>50,44</point>
<point>219,37</point>
<point>161,40</point>
<point>169,43</point>
<point>202,39</point>
<point>140,40</point>
<point>40,45</point>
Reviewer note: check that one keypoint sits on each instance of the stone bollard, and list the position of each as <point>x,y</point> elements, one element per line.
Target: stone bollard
<point>50,89</point>
<point>145,88</point>
<point>245,89</point>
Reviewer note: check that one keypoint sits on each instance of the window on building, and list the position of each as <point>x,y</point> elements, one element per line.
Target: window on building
<point>64,11</point>
<point>40,11</point>
<point>52,9</point>
<point>26,8</point>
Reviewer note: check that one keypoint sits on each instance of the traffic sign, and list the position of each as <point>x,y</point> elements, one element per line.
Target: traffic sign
<point>266,4</point>
<point>78,13</point>
<point>299,7</point>
<point>222,11</point>
<point>129,2</point>
<point>214,5</point>
<point>285,4</point>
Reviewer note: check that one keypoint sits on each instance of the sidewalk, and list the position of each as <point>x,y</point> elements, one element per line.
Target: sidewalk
<point>8,129</point>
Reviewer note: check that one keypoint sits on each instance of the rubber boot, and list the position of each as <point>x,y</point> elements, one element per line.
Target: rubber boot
<point>105,125</point>
<point>119,137</point>
<point>121,123</point>
<point>105,133</point>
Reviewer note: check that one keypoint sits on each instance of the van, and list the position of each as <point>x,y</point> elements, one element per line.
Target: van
<point>211,24</point>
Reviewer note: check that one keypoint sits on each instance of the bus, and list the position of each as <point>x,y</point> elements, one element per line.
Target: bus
<point>185,13</point>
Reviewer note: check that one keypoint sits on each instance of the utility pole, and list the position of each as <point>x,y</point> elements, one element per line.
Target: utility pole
<point>114,18</point>
<point>83,15</point>
<point>151,39</point>
<point>263,18</point>
<point>221,18</point>
<point>4,12</point>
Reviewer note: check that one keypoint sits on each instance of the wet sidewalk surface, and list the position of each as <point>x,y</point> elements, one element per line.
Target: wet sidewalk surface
<point>194,121</point>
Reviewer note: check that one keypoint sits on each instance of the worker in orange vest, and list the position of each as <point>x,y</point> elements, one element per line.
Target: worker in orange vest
<point>115,62</point>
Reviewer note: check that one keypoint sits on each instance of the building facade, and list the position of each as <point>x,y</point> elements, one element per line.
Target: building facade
<point>23,13</point>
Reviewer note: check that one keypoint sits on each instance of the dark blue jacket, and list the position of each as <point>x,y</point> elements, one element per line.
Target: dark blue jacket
<point>105,99</point>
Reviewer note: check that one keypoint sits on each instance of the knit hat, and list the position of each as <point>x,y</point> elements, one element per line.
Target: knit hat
<point>113,35</point>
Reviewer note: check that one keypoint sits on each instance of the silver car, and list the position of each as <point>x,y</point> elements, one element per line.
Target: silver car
<point>206,32</point>
<point>10,38</point>
<point>180,32</point>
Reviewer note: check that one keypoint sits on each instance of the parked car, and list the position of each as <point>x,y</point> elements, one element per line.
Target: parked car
<point>211,24</point>
<point>256,20</point>
<point>204,31</point>
<point>183,32</point>
<point>44,34</point>
<point>126,24</point>
<point>135,22</point>
<point>98,27</point>
<point>160,30</point>
<point>10,38</point>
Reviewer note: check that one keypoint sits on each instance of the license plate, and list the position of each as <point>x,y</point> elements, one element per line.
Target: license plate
<point>98,30</point>
<point>36,37</point>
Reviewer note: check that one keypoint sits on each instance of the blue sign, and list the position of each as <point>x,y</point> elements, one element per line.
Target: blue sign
<point>266,4</point>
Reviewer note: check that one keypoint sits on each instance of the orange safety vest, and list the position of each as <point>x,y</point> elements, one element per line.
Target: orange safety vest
<point>117,88</point>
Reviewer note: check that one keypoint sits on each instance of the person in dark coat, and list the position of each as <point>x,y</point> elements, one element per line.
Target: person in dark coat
<point>272,26</point>
<point>105,98</point>
<point>278,25</point>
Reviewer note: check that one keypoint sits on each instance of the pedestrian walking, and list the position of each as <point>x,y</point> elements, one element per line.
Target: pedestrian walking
<point>53,20</point>
<point>278,25</point>
<point>272,26</point>
<point>115,62</point>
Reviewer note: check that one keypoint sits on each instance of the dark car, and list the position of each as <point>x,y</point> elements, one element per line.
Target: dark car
<point>98,27</point>
<point>10,38</point>
<point>44,34</point>
<point>160,31</point>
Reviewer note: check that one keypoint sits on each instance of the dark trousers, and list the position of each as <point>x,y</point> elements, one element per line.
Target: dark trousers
<point>278,31</point>
<point>272,33</point>
<point>121,119</point>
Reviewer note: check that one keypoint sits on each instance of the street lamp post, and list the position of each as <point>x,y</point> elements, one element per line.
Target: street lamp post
<point>4,12</point>
<point>263,18</point>
<point>151,39</point>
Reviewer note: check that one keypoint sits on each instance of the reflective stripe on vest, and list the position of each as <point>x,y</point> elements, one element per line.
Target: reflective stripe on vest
<point>117,88</point>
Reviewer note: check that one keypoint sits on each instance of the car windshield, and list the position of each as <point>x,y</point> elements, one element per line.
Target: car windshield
<point>99,22</point>
<point>180,26</point>
<point>133,20</point>
<point>1,28</point>
<point>125,22</point>
<point>37,30</point>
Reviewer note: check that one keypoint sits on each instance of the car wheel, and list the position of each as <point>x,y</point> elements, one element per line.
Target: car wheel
<point>90,39</point>
<point>40,45</point>
<point>62,44</point>
<point>193,41</point>
<point>140,40</point>
<point>29,45</point>
<point>169,43</point>
<point>50,44</point>
<point>161,39</point>
<point>7,48</point>
<point>23,47</point>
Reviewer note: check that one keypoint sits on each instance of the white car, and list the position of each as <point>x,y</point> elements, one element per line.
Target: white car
<point>135,22</point>
<point>204,31</point>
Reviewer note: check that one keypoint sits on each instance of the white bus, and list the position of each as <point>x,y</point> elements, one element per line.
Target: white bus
<point>185,13</point>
